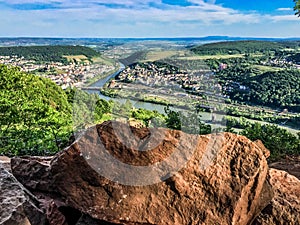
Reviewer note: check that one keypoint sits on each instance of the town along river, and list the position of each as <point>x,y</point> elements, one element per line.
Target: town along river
<point>137,104</point>
<point>159,108</point>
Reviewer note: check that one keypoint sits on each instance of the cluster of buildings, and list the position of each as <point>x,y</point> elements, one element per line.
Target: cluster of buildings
<point>71,75</point>
<point>164,75</point>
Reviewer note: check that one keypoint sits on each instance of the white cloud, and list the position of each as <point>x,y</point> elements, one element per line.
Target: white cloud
<point>81,18</point>
<point>284,18</point>
<point>285,9</point>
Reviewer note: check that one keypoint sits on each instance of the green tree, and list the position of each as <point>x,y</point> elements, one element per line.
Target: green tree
<point>188,122</point>
<point>297,7</point>
<point>149,117</point>
<point>87,109</point>
<point>173,120</point>
<point>35,116</point>
<point>279,141</point>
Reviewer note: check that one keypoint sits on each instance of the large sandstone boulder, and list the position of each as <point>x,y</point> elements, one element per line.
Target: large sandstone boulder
<point>17,205</point>
<point>124,175</point>
<point>285,206</point>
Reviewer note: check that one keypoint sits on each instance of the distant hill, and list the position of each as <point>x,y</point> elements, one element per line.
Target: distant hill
<point>48,53</point>
<point>236,47</point>
<point>30,41</point>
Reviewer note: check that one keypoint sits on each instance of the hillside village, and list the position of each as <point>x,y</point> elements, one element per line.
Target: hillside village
<point>70,75</point>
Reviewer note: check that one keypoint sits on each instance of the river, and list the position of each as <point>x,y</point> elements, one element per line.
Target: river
<point>160,108</point>
<point>137,104</point>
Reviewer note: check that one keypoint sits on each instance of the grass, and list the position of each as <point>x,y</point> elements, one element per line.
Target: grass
<point>158,55</point>
<point>156,99</point>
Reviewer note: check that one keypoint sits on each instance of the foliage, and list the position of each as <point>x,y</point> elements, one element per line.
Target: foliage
<point>279,89</point>
<point>48,53</point>
<point>236,47</point>
<point>240,123</point>
<point>188,122</point>
<point>279,141</point>
<point>244,83</point>
<point>88,109</point>
<point>34,114</point>
<point>149,118</point>
<point>123,110</point>
<point>297,7</point>
<point>173,120</point>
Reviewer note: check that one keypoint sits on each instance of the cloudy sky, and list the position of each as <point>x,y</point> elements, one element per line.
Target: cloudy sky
<point>148,18</point>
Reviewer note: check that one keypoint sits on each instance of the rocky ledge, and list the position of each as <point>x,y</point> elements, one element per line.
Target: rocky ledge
<point>116,174</point>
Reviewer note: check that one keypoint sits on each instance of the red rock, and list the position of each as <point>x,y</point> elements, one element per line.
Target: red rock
<point>175,178</point>
<point>290,164</point>
<point>285,206</point>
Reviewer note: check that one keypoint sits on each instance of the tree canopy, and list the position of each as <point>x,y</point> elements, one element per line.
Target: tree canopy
<point>35,115</point>
<point>236,47</point>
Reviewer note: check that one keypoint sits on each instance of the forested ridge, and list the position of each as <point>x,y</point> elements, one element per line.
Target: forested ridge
<point>272,88</point>
<point>53,53</point>
<point>237,47</point>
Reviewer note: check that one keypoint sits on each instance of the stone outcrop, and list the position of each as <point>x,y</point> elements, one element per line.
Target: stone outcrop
<point>17,205</point>
<point>285,206</point>
<point>290,164</point>
<point>116,174</point>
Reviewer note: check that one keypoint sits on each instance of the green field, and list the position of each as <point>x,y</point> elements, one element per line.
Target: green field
<point>158,55</point>
<point>103,60</point>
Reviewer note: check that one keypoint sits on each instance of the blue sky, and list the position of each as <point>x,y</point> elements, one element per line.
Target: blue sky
<point>148,18</point>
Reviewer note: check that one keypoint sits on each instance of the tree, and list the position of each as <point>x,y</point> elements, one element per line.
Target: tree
<point>279,141</point>
<point>297,7</point>
<point>35,116</point>
<point>87,109</point>
<point>173,120</point>
<point>188,122</point>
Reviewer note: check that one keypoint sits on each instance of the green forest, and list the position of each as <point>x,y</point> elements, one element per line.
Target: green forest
<point>245,47</point>
<point>274,88</point>
<point>48,53</point>
<point>237,47</point>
